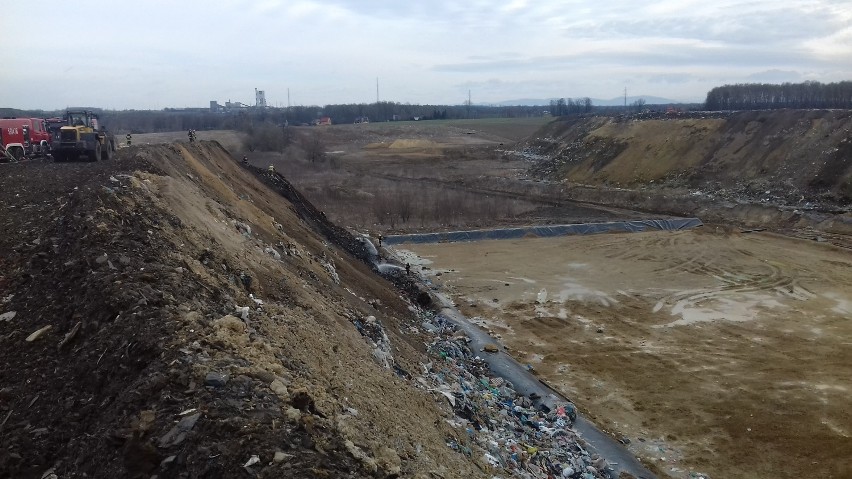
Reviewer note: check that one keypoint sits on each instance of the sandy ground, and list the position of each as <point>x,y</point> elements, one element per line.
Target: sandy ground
<point>714,352</point>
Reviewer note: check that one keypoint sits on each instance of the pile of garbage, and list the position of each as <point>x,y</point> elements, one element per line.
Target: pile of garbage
<point>374,332</point>
<point>513,436</point>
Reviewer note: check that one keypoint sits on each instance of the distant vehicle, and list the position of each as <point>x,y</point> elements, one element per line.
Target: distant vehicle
<point>83,135</point>
<point>53,126</point>
<point>30,132</point>
<point>362,119</point>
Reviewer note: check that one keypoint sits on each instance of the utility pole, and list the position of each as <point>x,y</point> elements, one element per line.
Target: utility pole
<point>377,90</point>
<point>468,103</point>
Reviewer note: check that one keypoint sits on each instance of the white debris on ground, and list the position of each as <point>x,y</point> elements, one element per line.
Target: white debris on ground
<point>332,271</point>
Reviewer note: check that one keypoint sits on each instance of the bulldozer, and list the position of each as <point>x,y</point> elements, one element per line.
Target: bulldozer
<point>83,135</point>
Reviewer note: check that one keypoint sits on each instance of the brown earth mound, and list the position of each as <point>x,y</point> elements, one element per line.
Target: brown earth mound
<point>121,285</point>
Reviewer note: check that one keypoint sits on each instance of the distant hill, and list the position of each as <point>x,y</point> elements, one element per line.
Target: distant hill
<point>649,100</point>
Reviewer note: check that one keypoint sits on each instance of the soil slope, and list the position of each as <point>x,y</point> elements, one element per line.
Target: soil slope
<point>166,314</point>
<point>791,157</point>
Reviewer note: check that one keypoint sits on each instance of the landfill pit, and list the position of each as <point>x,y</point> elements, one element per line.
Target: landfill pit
<point>708,352</point>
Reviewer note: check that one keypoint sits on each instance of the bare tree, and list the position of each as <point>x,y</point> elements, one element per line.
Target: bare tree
<point>314,148</point>
<point>404,204</point>
<point>383,209</point>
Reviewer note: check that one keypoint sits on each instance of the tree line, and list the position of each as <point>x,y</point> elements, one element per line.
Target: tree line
<point>391,111</point>
<point>765,96</point>
<point>563,107</point>
<point>174,119</point>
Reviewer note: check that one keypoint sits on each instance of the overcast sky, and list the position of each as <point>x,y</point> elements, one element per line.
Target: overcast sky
<point>151,54</point>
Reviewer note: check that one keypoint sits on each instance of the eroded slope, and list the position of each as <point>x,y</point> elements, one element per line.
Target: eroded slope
<point>790,156</point>
<point>136,271</point>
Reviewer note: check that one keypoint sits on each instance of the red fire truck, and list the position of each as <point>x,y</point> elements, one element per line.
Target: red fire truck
<point>10,148</point>
<point>30,132</point>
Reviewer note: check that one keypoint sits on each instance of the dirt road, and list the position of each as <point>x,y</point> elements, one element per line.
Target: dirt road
<point>710,351</point>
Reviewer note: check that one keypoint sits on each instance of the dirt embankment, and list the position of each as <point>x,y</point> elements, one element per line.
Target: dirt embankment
<point>797,158</point>
<point>167,314</point>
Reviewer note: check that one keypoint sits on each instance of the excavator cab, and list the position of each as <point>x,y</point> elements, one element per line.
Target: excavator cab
<point>79,118</point>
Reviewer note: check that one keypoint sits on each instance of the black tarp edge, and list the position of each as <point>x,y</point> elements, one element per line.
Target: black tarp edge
<point>632,226</point>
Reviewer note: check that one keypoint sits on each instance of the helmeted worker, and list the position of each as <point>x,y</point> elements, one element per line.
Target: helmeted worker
<point>271,169</point>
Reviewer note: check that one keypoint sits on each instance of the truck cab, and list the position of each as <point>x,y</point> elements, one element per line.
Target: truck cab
<point>53,126</point>
<point>40,137</point>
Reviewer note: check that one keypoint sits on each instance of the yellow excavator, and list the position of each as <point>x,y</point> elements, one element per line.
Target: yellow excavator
<point>83,135</point>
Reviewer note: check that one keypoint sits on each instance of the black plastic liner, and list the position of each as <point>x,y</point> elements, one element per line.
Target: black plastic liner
<point>633,226</point>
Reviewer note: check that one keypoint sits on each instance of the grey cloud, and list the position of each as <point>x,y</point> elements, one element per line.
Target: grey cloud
<point>775,76</point>
<point>495,57</point>
<point>735,25</point>
<point>532,63</point>
<point>424,50</point>
<point>385,9</point>
<point>672,78</point>
<point>676,57</point>
<point>457,16</point>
